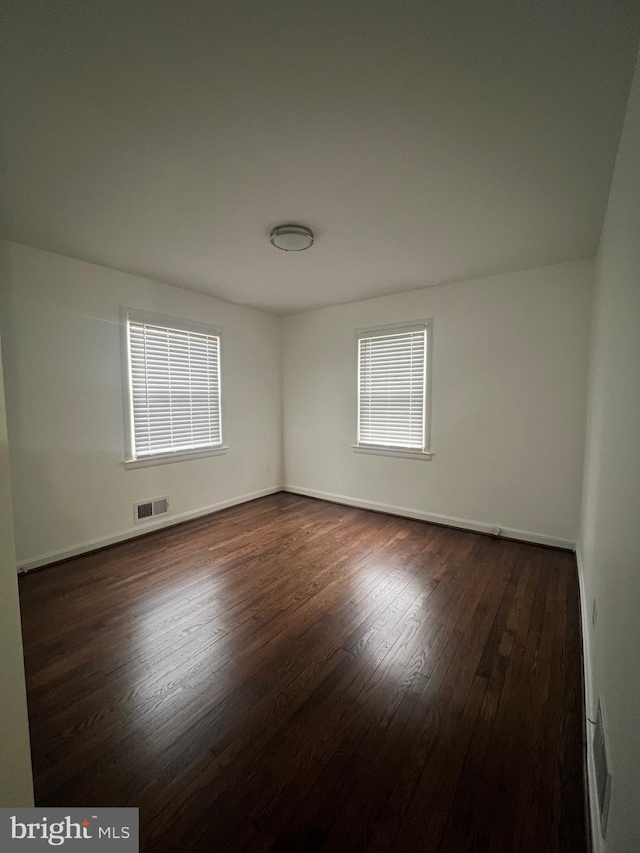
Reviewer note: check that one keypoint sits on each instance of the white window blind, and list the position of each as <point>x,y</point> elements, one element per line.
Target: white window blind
<point>175,389</point>
<point>392,388</point>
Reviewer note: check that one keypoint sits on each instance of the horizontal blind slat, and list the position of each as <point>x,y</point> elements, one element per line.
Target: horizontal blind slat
<point>391,389</point>
<point>175,389</point>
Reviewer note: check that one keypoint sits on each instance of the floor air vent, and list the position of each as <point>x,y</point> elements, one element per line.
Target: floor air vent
<point>603,774</point>
<point>145,510</point>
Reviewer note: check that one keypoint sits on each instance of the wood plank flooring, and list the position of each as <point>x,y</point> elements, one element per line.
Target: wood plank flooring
<point>292,675</point>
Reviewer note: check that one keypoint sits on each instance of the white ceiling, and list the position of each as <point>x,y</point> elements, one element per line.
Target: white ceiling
<point>422,141</point>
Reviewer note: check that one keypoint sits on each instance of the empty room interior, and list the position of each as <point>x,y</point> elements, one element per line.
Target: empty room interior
<point>320,473</point>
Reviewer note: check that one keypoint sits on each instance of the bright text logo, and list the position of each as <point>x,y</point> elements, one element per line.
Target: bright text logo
<point>41,829</point>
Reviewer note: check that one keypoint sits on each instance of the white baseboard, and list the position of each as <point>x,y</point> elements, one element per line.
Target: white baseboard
<point>138,530</point>
<point>448,520</point>
<point>597,841</point>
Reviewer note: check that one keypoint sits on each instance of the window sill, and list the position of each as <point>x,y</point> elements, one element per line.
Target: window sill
<point>146,461</point>
<point>423,455</point>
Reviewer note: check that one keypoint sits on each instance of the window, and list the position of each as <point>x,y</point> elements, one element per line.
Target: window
<point>174,388</point>
<point>393,390</point>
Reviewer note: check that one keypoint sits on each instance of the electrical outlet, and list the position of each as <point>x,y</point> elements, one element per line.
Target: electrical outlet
<point>495,531</point>
<point>594,613</point>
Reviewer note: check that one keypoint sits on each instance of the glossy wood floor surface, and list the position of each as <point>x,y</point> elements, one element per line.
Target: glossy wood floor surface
<point>292,675</point>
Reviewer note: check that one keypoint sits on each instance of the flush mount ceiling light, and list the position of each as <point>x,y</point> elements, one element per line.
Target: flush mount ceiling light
<point>291,238</point>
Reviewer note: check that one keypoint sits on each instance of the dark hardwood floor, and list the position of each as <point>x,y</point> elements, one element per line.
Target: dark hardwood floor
<point>292,675</point>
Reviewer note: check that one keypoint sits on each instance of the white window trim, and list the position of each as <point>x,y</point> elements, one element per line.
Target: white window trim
<point>382,450</point>
<point>178,456</point>
<point>137,315</point>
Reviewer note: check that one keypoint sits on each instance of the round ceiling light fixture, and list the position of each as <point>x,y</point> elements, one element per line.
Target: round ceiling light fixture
<point>291,238</point>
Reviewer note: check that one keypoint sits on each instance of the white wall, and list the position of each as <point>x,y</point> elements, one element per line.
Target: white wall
<point>16,785</point>
<point>509,395</point>
<point>609,547</point>
<point>60,323</point>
